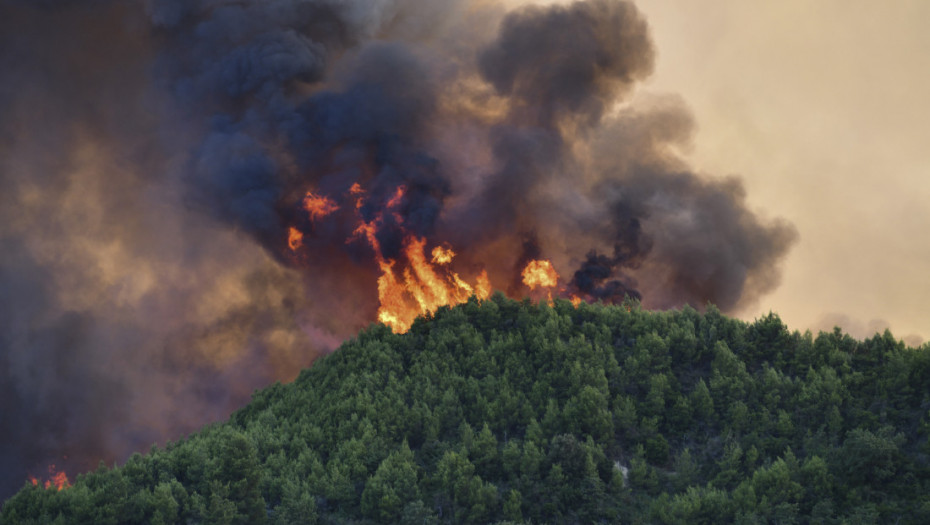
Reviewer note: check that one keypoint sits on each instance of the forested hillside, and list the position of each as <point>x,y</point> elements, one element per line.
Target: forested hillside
<point>511,411</point>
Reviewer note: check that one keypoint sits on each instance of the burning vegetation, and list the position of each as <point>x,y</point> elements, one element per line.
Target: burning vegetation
<point>56,479</point>
<point>411,284</point>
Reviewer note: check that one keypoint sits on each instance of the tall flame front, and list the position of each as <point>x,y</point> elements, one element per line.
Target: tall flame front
<point>421,279</point>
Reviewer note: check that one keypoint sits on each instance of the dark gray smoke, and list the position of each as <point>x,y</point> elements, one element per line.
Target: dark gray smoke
<point>567,63</point>
<point>155,156</point>
<point>127,316</point>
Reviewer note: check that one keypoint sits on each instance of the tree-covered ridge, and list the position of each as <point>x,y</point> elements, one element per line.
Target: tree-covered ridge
<point>512,411</point>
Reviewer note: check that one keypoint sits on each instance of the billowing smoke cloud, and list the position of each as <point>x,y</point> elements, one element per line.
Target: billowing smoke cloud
<point>126,315</point>
<point>159,161</point>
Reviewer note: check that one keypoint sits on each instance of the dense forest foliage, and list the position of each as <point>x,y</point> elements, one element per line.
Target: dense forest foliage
<point>506,411</point>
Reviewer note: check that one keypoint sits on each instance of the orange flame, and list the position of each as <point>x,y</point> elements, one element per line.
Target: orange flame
<point>422,287</point>
<point>415,286</point>
<point>442,255</point>
<point>367,230</point>
<point>538,274</point>
<point>419,280</point>
<point>59,480</point>
<point>318,206</point>
<point>295,239</point>
<point>398,195</point>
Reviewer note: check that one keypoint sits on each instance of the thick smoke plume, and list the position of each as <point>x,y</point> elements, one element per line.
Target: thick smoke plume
<point>197,197</point>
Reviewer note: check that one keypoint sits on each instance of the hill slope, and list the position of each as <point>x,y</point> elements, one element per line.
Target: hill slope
<point>529,413</point>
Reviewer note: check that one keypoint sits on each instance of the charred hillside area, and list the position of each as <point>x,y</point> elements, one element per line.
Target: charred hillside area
<point>517,412</point>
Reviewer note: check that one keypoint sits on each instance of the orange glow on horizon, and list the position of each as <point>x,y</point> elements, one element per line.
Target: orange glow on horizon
<point>422,286</point>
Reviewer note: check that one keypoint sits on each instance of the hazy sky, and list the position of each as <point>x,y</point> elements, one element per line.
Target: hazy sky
<point>822,107</point>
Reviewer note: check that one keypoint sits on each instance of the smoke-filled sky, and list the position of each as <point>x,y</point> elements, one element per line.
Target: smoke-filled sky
<point>822,109</point>
<point>198,197</point>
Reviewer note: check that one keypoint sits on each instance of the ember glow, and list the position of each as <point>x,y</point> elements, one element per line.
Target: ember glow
<point>442,255</point>
<point>295,239</point>
<point>318,206</point>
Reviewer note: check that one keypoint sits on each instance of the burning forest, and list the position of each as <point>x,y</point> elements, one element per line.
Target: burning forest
<point>199,197</point>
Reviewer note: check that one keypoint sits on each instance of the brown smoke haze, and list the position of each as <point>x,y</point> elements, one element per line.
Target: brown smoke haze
<point>821,107</point>
<point>199,197</point>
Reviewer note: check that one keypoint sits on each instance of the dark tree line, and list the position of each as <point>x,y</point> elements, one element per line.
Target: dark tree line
<point>507,411</point>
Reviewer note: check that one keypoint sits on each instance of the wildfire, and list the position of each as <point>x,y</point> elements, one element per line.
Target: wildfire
<point>421,278</point>
<point>318,206</point>
<point>414,285</point>
<point>442,255</point>
<point>540,274</point>
<point>482,285</point>
<point>422,286</point>
<point>58,480</point>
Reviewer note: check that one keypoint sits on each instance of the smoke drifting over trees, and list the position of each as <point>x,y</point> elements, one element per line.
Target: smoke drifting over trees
<point>156,155</point>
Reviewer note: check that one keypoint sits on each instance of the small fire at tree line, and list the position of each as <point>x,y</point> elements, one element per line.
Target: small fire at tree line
<point>199,197</point>
<point>57,480</point>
